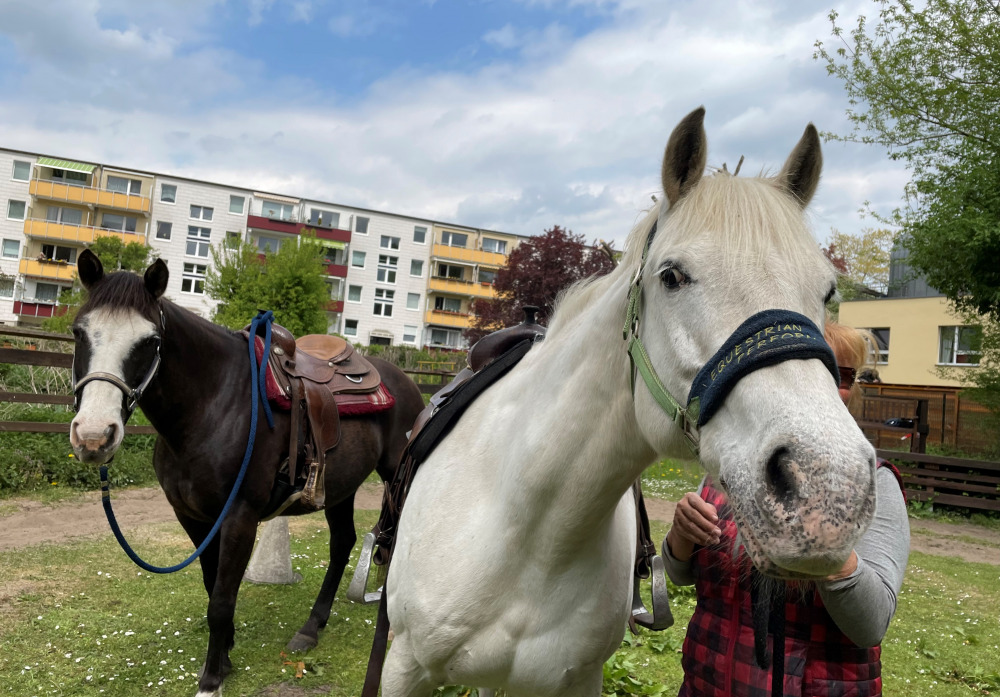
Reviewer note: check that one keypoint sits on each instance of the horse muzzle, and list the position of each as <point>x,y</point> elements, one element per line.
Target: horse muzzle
<point>95,444</point>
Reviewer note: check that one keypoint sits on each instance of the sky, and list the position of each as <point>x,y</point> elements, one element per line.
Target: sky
<point>511,115</point>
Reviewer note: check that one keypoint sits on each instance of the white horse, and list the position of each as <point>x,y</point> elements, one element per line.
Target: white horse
<point>513,562</point>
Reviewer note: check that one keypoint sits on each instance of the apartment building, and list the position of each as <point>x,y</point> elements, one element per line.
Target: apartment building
<point>464,264</point>
<point>393,279</point>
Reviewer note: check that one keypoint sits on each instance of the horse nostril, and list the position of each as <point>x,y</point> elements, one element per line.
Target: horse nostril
<point>777,475</point>
<point>110,432</point>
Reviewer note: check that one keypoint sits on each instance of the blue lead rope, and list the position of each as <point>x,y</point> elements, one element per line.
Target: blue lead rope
<point>257,377</point>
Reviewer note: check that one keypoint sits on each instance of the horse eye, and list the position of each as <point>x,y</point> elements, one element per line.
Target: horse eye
<point>673,278</point>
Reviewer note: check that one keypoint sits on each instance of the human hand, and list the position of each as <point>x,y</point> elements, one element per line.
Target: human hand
<point>696,522</point>
<point>846,570</point>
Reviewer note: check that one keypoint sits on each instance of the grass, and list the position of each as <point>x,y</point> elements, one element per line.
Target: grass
<point>81,619</point>
<point>671,479</point>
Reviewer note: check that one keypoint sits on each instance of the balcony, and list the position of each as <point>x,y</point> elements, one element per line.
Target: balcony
<point>334,306</point>
<point>39,309</point>
<point>338,270</point>
<point>443,318</point>
<point>52,270</point>
<point>291,226</point>
<point>89,196</point>
<point>471,256</point>
<point>456,287</point>
<point>82,234</point>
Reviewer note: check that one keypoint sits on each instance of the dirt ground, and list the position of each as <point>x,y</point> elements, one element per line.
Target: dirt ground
<point>24,522</point>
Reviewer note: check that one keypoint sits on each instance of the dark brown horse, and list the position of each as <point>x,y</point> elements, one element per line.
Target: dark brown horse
<point>199,401</point>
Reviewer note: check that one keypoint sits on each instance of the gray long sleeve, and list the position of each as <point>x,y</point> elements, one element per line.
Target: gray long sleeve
<point>863,603</point>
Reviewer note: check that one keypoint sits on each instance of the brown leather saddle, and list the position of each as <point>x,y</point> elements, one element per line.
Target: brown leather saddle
<point>315,372</point>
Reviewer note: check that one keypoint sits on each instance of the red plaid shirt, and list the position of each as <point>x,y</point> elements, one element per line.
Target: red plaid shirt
<point>718,654</point>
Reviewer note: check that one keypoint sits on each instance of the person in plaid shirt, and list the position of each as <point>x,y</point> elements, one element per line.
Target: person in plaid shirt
<point>833,627</point>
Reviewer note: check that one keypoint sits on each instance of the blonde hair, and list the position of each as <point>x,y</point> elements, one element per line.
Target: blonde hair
<point>852,348</point>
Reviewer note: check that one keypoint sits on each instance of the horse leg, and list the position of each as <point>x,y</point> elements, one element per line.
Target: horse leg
<point>340,519</point>
<point>198,530</point>
<point>237,538</point>
<point>402,676</point>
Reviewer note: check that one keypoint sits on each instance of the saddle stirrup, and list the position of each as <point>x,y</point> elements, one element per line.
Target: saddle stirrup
<point>358,590</point>
<point>661,617</point>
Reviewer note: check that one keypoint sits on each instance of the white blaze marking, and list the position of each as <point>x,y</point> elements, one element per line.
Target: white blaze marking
<point>112,338</point>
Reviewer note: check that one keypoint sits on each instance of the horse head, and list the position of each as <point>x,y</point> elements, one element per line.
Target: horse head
<point>116,353</point>
<point>798,472</point>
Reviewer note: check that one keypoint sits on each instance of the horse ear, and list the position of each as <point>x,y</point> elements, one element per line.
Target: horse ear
<point>685,157</point>
<point>156,277</point>
<point>89,268</point>
<point>800,174</point>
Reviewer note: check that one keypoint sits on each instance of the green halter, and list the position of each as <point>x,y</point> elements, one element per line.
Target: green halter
<point>685,418</point>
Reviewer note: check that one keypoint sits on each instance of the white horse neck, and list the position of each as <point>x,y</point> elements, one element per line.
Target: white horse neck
<point>562,431</point>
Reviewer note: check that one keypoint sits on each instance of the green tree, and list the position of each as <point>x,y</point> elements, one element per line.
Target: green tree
<point>924,83</point>
<point>291,283</point>
<point>115,255</point>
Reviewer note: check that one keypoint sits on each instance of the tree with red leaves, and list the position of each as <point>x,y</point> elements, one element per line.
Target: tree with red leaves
<point>536,272</point>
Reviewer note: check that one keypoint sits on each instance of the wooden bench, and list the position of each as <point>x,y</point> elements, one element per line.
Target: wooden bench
<point>953,481</point>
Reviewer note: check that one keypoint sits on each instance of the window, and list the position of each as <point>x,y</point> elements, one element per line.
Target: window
<point>6,287</point>
<point>443,337</point>
<point>413,301</point>
<point>361,225</point>
<point>350,327</point>
<point>420,234</point>
<point>378,340</point>
<point>959,345</point>
<point>22,170</point>
<point>336,288</point>
<point>488,276</point>
<point>276,211</point>
<point>383,302</point>
<point>353,294</point>
<point>409,334</point>
<point>321,218</point>
<point>495,246</point>
<point>121,185</point>
<point>69,176</point>
<point>358,259</point>
<point>454,239</point>
<point>163,230</point>
<point>121,223</point>
<point>46,292</point>
<point>236,204</point>
<point>334,255</point>
<point>198,241</point>
<point>881,344</point>
<point>193,280</point>
<point>202,212</point>
<point>168,193</point>
<point>66,216</point>
<point>389,242</point>
<point>268,244</point>
<point>450,271</point>
<point>11,249</point>
<point>448,304</point>
<point>416,267</point>
<point>387,268</point>
<point>15,209</point>
<point>233,239</point>
<point>57,253</point>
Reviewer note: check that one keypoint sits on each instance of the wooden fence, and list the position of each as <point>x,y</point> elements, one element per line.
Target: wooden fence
<point>28,353</point>
<point>951,419</point>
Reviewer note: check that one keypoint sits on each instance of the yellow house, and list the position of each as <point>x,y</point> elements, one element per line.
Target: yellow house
<point>464,265</point>
<point>917,336</point>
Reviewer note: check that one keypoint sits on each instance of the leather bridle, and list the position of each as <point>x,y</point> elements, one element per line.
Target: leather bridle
<point>130,395</point>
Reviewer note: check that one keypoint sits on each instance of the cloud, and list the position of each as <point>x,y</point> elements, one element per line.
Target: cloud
<point>569,135</point>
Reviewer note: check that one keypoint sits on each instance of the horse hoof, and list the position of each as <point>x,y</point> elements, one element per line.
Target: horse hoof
<point>301,642</point>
